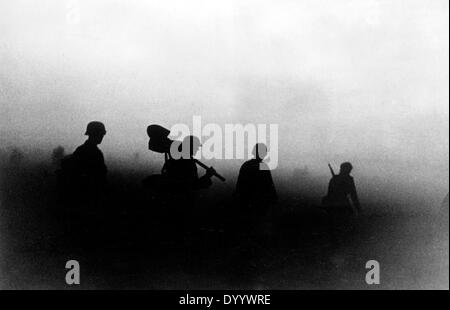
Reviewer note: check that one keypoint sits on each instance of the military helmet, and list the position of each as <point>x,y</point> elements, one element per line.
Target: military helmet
<point>346,167</point>
<point>95,128</point>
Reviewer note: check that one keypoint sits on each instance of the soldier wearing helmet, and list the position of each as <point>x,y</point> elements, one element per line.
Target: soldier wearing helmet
<point>183,182</point>
<point>340,188</point>
<point>181,167</point>
<point>89,159</point>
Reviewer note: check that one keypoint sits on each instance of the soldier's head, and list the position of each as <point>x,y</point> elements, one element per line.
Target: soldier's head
<point>260,151</point>
<point>346,168</point>
<point>190,146</point>
<point>95,131</point>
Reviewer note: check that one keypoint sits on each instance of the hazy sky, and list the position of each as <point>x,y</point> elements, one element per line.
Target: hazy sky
<point>362,80</point>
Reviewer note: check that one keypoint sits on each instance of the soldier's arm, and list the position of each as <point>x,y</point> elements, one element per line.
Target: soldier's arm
<point>204,181</point>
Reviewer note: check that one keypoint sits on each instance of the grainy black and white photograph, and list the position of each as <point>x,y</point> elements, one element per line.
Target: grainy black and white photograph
<point>224,145</point>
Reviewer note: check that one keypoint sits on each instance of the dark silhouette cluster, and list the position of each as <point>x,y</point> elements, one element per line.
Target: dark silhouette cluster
<point>82,180</point>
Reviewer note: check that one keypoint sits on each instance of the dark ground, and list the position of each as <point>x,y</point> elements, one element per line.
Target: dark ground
<point>132,248</point>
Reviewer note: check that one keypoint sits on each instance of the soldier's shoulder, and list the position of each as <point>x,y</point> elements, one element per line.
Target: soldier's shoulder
<point>88,149</point>
<point>250,163</point>
<point>80,149</point>
<point>246,166</point>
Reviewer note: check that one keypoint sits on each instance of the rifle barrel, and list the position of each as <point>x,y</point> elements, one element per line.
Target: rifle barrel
<point>206,167</point>
<point>332,171</point>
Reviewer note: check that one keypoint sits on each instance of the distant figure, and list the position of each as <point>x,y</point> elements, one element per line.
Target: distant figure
<point>342,186</point>
<point>255,190</point>
<point>57,155</point>
<point>83,174</point>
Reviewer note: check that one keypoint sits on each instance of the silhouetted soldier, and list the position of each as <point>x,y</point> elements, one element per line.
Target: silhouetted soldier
<point>182,178</point>
<point>88,157</point>
<point>256,195</point>
<point>255,190</point>
<point>83,179</point>
<point>337,203</point>
<point>182,171</point>
<point>84,172</point>
<point>340,188</point>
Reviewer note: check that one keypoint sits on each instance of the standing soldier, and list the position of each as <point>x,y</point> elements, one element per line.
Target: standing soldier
<point>89,158</point>
<point>338,205</point>
<point>182,172</point>
<point>83,178</point>
<point>255,189</point>
<point>183,181</point>
<point>342,186</point>
<point>174,191</point>
<point>256,194</point>
<point>84,172</point>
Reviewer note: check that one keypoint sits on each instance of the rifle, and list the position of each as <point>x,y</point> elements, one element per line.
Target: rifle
<point>206,167</point>
<point>331,170</point>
